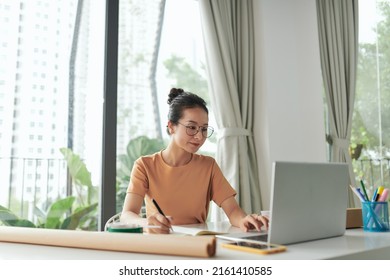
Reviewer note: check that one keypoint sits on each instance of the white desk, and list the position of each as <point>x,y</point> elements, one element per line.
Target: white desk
<point>355,244</point>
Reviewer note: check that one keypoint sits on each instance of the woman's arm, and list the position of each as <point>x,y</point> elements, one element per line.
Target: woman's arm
<point>239,218</point>
<point>131,209</point>
<point>130,215</point>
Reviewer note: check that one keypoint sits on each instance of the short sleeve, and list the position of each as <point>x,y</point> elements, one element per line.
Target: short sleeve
<point>221,188</point>
<point>139,183</point>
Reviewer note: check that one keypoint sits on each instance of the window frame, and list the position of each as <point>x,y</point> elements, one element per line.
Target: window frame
<point>108,179</point>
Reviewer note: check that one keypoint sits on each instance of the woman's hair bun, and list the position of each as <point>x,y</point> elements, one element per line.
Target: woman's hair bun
<point>175,92</point>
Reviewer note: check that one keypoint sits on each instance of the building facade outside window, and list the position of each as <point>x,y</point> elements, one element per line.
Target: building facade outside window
<point>51,88</point>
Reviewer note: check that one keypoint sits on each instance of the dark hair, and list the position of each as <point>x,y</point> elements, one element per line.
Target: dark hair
<point>178,100</point>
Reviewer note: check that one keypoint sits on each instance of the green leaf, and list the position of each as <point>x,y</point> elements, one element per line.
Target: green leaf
<point>141,146</point>
<point>77,168</point>
<point>73,221</point>
<point>57,210</point>
<point>39,213</point>
<point>24,223</point>
<point>10,219</point>
<point>7,217</point>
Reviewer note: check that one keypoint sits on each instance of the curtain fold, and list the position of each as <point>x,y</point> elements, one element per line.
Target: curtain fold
<point>228,31</point>
<point>338,36</point>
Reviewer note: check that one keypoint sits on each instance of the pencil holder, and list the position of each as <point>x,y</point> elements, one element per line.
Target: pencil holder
<point>375,216</point>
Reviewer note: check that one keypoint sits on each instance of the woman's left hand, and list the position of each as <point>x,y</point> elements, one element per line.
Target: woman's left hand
<point>254,221</point>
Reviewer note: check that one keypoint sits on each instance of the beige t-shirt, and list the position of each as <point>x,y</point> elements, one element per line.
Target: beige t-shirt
<point>182,192</point>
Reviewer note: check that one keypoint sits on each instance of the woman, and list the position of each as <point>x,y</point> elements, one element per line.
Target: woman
<point>181,181</point>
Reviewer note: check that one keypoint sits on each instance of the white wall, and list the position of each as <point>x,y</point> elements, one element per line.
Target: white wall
<point>289,116</point>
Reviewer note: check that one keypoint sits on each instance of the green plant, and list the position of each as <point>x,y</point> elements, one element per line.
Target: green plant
<point>72,212</point>
<point>81,177</point>
<point>56,217</point>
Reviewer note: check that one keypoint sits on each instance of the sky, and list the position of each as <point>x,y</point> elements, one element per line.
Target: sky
<point>367,19</point>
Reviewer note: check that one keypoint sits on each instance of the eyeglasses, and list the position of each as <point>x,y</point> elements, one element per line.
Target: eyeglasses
<point>191,130</point>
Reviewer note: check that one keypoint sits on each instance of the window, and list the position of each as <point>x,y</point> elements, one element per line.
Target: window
<point>149,66</point>
<point>72,118</point>
<point>371,128</point>
<point>67,111</point>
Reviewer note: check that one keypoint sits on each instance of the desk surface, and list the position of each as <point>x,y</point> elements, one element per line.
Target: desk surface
<point>355,244</point>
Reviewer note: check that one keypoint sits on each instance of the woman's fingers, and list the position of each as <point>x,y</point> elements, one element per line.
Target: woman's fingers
<point>163,223</point>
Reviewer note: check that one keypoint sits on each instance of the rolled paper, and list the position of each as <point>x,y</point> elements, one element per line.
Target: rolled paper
<point>165,244</point>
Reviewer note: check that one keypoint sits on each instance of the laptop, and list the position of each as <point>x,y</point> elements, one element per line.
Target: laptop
<point>308,202</point>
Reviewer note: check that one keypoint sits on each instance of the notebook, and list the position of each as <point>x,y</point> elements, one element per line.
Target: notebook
<point>308,202</point>
<point>201,229</point>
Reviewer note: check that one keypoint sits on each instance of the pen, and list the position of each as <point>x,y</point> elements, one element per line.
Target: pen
<point>364,190</point>
<point>384,195</point>
<point>361,194</point>
<point>374,196</point>
<point>159,209</point>
<point>379,193</point>
<point>358,194</point>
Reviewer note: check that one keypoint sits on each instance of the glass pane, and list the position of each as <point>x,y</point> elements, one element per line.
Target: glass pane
<point>138,111</point>
<point>51,88</point>
<point>371,127</point>
<point>182,62</point>
<point>149,66</point>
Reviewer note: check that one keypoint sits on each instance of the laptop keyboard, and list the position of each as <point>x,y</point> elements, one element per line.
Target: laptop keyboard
<point>262,237</point>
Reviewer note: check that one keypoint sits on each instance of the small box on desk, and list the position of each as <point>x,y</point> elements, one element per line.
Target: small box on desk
<point>354,218</point>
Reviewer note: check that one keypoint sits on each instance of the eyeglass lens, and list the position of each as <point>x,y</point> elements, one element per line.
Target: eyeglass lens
<point>206,131</point>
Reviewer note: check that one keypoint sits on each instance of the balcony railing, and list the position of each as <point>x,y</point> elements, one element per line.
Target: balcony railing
<point>28,184</point>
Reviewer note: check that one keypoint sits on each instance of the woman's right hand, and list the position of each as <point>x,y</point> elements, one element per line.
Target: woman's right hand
<point>162,223</point>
